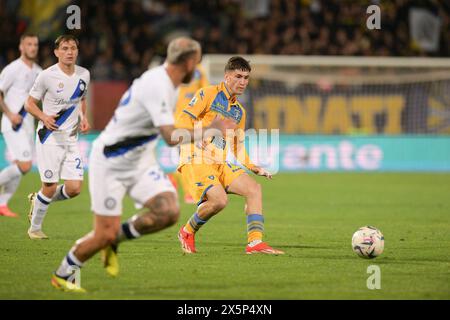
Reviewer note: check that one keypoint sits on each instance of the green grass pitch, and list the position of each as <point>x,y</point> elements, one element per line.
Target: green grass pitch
<point>310,216</point>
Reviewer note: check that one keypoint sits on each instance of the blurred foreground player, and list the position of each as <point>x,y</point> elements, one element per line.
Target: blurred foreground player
<point>123,161</point>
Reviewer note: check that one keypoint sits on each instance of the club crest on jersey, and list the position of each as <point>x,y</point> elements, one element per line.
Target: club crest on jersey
<point>60,87</point>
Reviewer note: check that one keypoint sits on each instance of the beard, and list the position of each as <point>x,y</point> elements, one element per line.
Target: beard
<point>188,77</point>
<point>30,56</point>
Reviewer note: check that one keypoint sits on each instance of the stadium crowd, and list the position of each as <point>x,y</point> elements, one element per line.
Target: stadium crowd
<point>119,39</point>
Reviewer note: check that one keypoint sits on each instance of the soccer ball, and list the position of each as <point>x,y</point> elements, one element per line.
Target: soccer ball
<point>368,242</point>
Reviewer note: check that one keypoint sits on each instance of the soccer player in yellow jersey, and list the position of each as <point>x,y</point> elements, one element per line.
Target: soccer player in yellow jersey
<point>204,163</point>
<point>186,93</point>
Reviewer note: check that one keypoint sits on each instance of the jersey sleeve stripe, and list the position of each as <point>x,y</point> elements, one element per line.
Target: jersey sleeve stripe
<point>190,114</point>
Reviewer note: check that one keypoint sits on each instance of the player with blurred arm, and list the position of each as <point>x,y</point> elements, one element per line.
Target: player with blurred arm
<point>205,166</point>
<point>62,89</point>
<point>123,161</point>
<point>185,95</point>
<point>16,80</point>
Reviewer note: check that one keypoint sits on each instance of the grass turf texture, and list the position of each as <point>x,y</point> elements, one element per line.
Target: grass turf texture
<point>310,216</point>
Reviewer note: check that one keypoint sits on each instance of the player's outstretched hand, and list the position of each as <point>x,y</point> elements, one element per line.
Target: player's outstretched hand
<point>84,126</point>
<point>49,122</point>
<point>223,124</point>
<point>261,172</point>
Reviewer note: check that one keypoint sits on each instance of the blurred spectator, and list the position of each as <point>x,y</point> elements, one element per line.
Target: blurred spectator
<point>118,39</point>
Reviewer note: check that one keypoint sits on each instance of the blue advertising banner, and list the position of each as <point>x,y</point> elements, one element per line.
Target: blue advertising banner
<point>295,153</point>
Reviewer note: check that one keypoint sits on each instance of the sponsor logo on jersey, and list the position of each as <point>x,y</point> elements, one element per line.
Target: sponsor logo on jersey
<point>61,101</point>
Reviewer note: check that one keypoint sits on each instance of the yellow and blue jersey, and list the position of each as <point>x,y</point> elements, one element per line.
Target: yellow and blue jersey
<point>208,103</point>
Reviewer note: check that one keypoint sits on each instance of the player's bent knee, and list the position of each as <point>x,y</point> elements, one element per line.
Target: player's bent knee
<point>49,189</point>
<point>106,238</point>
<point>219,204</point>
<point>169,215</point>
<point>256,190</point>
<point>253,190</point>
<point>165,207</point>
<point>110,238</point>
<point>73,191</point>
<point>106,230</point>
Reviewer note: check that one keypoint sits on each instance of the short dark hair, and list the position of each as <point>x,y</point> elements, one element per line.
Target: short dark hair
<point>238,63</point>
<point>27,35</point>
<point>64,38</point>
